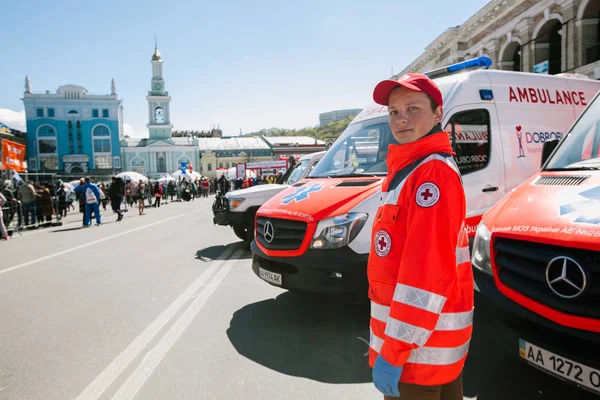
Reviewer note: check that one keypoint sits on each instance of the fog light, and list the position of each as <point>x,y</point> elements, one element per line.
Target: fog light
<point>336,275</point>
<point>317,244</point>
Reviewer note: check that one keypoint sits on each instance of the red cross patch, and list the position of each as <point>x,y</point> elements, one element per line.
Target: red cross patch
<point>427,194</point>
<point>383,243</point>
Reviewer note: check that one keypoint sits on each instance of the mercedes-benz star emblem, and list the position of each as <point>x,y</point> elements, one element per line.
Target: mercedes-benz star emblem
<point>566,277</point>
<point>269,232</point>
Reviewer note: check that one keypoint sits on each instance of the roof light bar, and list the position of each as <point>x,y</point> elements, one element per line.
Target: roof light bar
<point>474,63</point>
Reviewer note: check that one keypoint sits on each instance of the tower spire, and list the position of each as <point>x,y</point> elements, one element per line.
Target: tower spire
<point>155,44</point>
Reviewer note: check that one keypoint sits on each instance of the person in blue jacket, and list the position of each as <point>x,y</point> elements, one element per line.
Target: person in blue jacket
<point>91,195</point>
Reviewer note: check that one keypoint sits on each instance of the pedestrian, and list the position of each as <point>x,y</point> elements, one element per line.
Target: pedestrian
<point>157,194</point>
<point>419,271</point>
<point>91,195</point>
<point>3,230</point>
<point>114,193</point>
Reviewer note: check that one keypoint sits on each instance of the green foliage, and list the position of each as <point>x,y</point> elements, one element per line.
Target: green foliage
<point>327,133</point>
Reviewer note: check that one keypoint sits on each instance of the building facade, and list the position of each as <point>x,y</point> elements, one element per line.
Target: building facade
<point>337,115</point>
<point>545,36</point>
<point>72,131</point>
<point>161,153</point>
<point>224,153</point>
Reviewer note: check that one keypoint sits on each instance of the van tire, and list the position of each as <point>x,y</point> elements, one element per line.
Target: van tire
<point>240,232</point>
<point>250,231</point>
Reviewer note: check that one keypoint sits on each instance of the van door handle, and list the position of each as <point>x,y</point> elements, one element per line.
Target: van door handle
<point>490,189</point>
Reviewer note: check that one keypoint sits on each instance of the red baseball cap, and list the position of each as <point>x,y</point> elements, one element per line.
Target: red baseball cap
<point>416,82</point>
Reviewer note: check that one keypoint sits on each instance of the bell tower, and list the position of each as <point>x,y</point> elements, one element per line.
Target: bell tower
<point>159,113</point>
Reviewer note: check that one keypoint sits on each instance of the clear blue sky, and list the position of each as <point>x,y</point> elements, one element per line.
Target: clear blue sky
<point>237,64</point>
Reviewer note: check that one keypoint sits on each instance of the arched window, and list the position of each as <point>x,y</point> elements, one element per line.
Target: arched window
<point>138,165</point>
<point>220,165</point>
<point>102,147</point>
<point>226,165</point>
<point>209,167</point>
<point>47,148</point>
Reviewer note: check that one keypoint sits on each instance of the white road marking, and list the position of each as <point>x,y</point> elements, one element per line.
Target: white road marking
<point>60,253</point>
<point>110,373</point>
<point>153,358</point>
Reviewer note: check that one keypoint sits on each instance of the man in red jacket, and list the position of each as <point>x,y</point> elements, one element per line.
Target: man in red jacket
<point>420,278</point>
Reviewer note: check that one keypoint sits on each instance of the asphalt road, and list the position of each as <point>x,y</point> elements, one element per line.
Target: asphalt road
<point>166,306</point>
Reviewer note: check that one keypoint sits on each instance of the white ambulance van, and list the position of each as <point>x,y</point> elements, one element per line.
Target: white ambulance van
<point>315,236</point>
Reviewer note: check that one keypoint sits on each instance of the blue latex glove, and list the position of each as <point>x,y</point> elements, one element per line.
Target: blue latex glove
<point>386,377</point>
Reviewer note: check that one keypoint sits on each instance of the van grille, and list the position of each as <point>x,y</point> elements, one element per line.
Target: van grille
<point>521,266</point>
<point>287,234</point>
<point>560,180</point>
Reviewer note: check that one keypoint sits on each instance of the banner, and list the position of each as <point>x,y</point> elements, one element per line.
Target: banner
<point>183,167</point>
<point>13,156</point>
<point>241,171</point>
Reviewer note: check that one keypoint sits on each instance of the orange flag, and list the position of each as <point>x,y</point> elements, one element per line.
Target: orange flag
<point>13,156</point>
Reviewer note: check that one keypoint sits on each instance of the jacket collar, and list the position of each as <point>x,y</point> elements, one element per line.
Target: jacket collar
<point>400,155</point>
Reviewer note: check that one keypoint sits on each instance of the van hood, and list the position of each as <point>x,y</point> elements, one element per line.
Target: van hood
<point>315,199</point>
<point>558,207</point>
<point>262,189</point>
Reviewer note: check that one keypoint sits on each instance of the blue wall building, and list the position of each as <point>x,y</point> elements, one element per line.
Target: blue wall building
<point>73,132</point>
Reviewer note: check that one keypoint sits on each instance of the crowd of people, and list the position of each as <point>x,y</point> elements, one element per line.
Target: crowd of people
<point>31,205</point>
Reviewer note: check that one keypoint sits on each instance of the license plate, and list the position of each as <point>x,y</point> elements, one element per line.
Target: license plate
<point>269,276</point>
<point>582,375</point>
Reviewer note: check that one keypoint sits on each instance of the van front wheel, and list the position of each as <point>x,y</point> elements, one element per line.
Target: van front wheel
<point>240,232</point>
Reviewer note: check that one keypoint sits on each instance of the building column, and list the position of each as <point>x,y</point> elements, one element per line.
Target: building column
<point>525,29</point>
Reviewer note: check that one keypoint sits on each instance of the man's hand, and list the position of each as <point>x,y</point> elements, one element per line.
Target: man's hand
<point>386,377</point>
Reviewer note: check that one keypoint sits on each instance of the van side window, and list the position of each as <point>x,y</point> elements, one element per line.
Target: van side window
<point>469,132</point>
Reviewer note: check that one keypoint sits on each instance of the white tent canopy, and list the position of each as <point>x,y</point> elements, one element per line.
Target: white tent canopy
<point>189,175</point>
<point>166,178</point>
<point>132,176</point>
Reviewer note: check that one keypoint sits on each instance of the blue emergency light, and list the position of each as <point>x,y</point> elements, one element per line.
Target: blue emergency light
<point>479,62</point>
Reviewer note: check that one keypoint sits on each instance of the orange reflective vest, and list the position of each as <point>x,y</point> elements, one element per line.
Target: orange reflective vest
<point>420,277</point>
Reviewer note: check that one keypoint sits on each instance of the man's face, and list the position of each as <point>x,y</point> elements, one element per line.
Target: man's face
<point>410,115</point>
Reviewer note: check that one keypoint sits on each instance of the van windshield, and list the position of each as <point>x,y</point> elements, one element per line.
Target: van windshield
<point>580,149</point>
<point>360,150</point>
<point>297,172</point>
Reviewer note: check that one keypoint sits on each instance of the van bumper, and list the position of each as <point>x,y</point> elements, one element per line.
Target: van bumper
<point>312,272</point>
<point>574,344</point>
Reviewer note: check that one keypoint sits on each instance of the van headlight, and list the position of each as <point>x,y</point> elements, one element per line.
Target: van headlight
<point>481,249</point>
<point>235,202</point>
<point>338,231</point>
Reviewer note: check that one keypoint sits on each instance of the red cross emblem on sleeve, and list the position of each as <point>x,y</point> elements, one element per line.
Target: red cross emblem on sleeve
<point>383,243</point>
<point>427,194</point>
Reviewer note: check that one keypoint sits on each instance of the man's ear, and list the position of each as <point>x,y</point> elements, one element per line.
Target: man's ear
<point>439,114</point>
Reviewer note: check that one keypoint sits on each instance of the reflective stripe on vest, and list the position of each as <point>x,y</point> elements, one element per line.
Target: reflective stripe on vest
<point>446,321</point>
<point>419,298</point>
<point>427,355</point>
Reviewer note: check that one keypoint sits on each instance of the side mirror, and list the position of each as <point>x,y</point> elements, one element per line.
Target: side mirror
<point>548,148</point>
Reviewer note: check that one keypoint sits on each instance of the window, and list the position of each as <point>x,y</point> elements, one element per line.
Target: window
<point>117,162</point>
<point>138,165</point>
<point>220,165</point>
<point>46,146</point>
<point>101,145</point>
<point>100,130</point>
<point>95,113</point>
<point>39,112</point>
<point>51,112</point>
<point>105,113</point>
<point>79,140</point>
<point>209,167</point>
<point>48,163</point>
<point>46,130</point>
<point>71,141</point>
<point>469,132</point>
<point>226,165</point>
<point>161,161</point>
<point>103,162</point>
